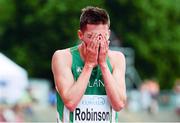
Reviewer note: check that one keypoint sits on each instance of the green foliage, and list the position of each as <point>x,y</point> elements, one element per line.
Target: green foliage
<point>30,32</point>
<point>152,28</point>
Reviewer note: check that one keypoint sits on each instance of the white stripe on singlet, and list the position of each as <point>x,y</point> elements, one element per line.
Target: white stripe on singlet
<point>57,117</point>
<point>66,115</point>
<point>113,116</point>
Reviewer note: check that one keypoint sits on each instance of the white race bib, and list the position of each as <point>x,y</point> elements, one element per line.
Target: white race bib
<point>93,109</point>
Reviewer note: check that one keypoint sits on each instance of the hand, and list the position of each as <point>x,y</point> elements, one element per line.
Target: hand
<point>91,53</point>
<point>104,46</point>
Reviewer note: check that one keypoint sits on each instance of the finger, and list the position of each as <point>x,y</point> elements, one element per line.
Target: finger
<point>94,35</point>
<point>101,48</point>
<point>104,38</point>
<point>90,44</point>
<point>101,44</point>
<point>94,45</point>
<point>104,44</point>
<point>84,47</point>
<point>105,47</point>
<point>98,46</point>
<point>107,36</point>
<point>95,42</point>
<point>108,42</point>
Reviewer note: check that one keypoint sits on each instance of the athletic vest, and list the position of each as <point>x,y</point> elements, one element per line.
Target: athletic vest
<point>94,106</point>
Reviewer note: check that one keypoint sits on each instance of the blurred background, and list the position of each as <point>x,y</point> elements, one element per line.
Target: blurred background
<point>146,31</point>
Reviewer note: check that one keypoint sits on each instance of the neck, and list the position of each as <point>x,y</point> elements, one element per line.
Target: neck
<point>81,51</point>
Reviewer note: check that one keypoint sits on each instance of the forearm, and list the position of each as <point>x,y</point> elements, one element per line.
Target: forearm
<point>77,90</point>
<point>115,93</point>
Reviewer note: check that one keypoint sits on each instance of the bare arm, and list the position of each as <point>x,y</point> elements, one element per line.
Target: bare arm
<point>115,82</point>
<point>70,91</point>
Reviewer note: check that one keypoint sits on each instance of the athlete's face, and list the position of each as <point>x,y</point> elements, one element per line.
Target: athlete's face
<point>99,30</point>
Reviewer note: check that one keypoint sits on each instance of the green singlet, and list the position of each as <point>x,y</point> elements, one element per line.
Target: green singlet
<point>94,106</point>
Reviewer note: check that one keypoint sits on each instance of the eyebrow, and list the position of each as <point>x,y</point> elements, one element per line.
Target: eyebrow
<point>89,34</point>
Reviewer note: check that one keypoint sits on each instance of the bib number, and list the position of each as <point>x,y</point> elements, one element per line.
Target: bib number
<point>93,109</point>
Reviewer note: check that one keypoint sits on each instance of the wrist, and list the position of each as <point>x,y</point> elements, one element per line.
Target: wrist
<point>103,65</point>
<point>88,66</point>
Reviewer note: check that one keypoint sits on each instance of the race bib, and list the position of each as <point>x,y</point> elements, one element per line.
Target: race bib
<point>93,109</point>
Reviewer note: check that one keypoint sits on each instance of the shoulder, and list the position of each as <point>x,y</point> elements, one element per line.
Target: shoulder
<point>116,57</point>
<point>115,54</point>
<point>62,56</point>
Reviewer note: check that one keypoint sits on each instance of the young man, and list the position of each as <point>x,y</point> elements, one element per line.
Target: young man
<point>90,78</point>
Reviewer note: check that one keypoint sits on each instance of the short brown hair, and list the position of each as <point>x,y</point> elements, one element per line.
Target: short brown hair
<point>93,15</point>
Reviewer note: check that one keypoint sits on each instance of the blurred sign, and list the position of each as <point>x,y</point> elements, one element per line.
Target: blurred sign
<point>13,80</point>
<point>40,89</point>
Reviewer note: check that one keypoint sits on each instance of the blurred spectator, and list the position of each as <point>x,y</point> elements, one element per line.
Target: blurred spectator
<point>2,118</point>
<point>52,97</point>
<point>18,111</point>
<point>145,97</point>
<point>149,96</point>
<point>27,101</point>
<point>12,114</point>
<point>133,101</point>
<point>177,95</point>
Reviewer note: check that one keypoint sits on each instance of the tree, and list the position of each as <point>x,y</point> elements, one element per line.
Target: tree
<point>31,31</point>
<point>151,28</point>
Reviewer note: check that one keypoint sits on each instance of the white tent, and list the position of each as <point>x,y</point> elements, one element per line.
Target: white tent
<point>13,80</point>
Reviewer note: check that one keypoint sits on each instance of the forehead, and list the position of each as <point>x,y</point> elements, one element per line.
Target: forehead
<point>96,28</point>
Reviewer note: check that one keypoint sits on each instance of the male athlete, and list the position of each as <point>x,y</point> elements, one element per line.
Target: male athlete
<point>90,78</point>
